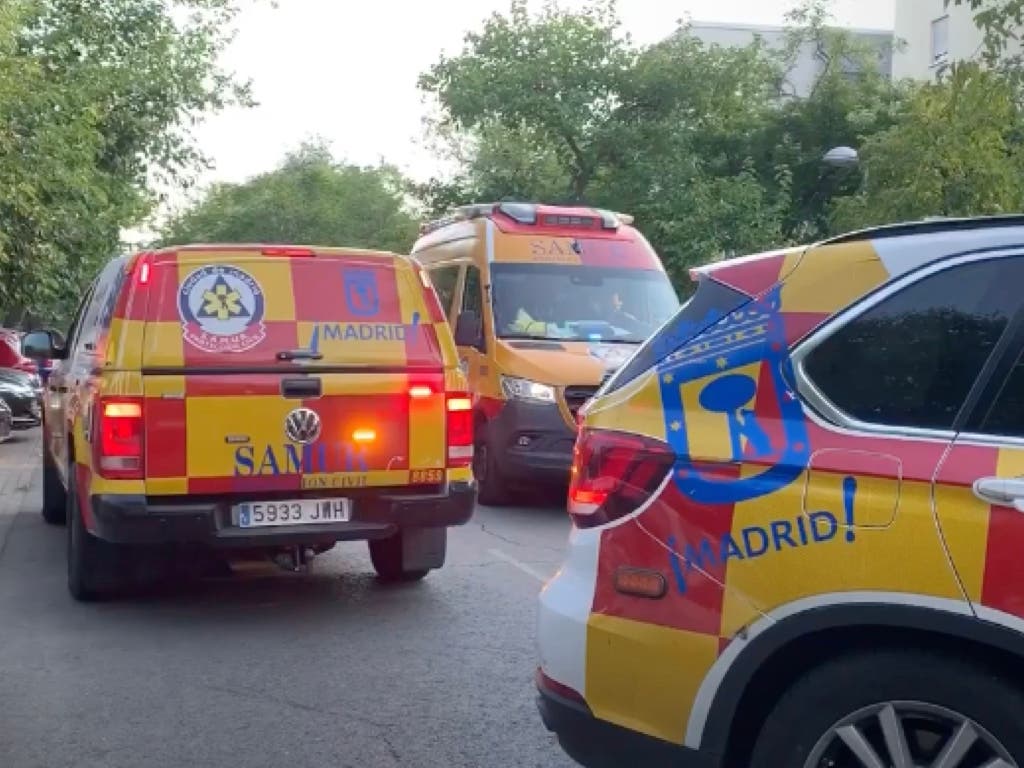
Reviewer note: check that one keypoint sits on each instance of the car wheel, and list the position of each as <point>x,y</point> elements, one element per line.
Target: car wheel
<point>55,498</point>
<point>492,486</point>
<point>895,708</point>
<point>94,566</point>
<point>386,556</point>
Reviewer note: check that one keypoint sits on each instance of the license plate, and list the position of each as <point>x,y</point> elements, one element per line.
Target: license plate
<point>262,514</point>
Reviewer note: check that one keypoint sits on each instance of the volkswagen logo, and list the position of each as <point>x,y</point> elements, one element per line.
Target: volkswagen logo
<point>302,426</point>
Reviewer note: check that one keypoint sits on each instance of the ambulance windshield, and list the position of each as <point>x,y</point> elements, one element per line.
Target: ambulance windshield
<point>544,301</point>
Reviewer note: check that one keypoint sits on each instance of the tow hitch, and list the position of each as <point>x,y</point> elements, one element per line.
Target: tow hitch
<point>294,559</point>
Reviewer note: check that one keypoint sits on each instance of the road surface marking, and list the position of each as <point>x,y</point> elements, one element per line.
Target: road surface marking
<point>528,570</point>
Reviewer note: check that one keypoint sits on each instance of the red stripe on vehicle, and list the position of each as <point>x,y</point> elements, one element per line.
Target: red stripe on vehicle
<point>751,275</point>
<point>345,291</point>
<point>697,607</point>
<point>166,422</point>
<point>799,324</point>
<point>619,253</point>
<point>342,415</point>
<point>235,385</point>
<point>272,338</point>
<point>421,345</point>
<point>1004,566</point>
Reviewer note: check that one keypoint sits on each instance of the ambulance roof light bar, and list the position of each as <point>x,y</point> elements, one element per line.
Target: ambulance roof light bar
<point>523,213</point>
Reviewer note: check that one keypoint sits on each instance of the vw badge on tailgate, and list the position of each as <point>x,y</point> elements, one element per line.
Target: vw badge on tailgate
<point>302,426</point>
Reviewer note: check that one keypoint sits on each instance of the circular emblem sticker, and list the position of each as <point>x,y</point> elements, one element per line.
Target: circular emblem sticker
<point>221,309</point>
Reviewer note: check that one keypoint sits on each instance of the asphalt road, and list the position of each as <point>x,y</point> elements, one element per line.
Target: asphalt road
<point>266,668</point>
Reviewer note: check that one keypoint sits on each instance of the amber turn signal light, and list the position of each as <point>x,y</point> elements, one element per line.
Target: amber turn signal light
<point>640,582</point>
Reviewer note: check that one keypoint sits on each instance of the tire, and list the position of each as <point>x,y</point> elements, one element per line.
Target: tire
<point>492,487</point>
<point>919,692</point>
<point>55,498</point>
<point>95,567</point>
<point>386,556</point>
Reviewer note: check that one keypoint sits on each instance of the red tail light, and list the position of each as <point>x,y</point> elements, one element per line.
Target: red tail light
<point>613,473</point>
<point>460,430</point>
<point>119,437</point>
<point>142,268</point>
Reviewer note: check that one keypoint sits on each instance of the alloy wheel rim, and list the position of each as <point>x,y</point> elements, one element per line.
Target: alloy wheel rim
<point>908,734</point>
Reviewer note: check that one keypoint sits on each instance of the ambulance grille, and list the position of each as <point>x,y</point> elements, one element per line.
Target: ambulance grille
<point>576,395</point>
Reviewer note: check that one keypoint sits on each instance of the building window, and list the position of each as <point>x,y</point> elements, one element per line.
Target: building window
<point>940,39</point>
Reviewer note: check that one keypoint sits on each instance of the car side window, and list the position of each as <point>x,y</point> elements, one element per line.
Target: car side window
<point>911,360</point>
<point>1006,416</point>
<point>100,309</point>
<point>75,329</point>
<point>472,298</point>
<point>444,280</point>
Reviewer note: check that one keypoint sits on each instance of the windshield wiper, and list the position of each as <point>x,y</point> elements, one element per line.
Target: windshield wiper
<point>532,337</point>
<point>299,354</point>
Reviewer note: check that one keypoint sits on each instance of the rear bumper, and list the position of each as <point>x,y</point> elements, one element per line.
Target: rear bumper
<point>138,520</point>
<point>596,743</point>
<point>533,440</point>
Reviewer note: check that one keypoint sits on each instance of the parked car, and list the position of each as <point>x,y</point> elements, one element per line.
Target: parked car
<point>10,352</point>
<point>797,517</point>
<point>23,396</point>
<point>6,421</point>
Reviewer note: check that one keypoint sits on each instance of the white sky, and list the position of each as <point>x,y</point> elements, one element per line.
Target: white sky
<point>347,70</point>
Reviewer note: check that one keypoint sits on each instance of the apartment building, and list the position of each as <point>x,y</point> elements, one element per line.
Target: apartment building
<point>932,36</point>
<point>808,64</point>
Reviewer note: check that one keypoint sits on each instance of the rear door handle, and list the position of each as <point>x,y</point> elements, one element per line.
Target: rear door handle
<point>302,387</point>
<point>1005,491</point>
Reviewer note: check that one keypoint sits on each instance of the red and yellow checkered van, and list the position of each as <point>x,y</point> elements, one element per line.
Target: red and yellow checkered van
<point>277,399</point>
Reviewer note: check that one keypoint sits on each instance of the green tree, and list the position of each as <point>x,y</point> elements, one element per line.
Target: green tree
<point>552,80</point>
<point>1000,21</point>
<point>704,144</point>
<point>956,150</point>
<point>96,99</point>
<point>308,199</point>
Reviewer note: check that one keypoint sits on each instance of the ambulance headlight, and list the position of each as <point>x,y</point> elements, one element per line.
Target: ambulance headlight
<point>524,389</point>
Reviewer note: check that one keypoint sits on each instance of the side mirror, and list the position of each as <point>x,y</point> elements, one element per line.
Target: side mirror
<point>469,331</point>
<point>43,345</point>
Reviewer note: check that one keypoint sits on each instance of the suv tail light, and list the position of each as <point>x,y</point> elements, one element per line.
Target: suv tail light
<point>460,429</point>
<point>118,438</point>
<point>613,473</point>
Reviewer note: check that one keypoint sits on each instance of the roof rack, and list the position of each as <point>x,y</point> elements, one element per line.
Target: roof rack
<point>929,225</point>
<point>522,212</point>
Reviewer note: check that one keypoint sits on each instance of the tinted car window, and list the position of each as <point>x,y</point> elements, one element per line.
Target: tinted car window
<point>471,297</point>
<point>1006,416</point>
<point>911,360</point>
<point>444,280</point>
<point>101,305</point>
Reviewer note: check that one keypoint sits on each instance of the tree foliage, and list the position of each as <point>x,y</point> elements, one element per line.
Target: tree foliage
<point>1000,22</point>
<point>704,144</point>
<point>96,100</point>
<point>956,151</point>
<point>309,199</point>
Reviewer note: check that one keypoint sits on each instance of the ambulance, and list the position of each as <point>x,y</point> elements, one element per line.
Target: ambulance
<point>546,301</point>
